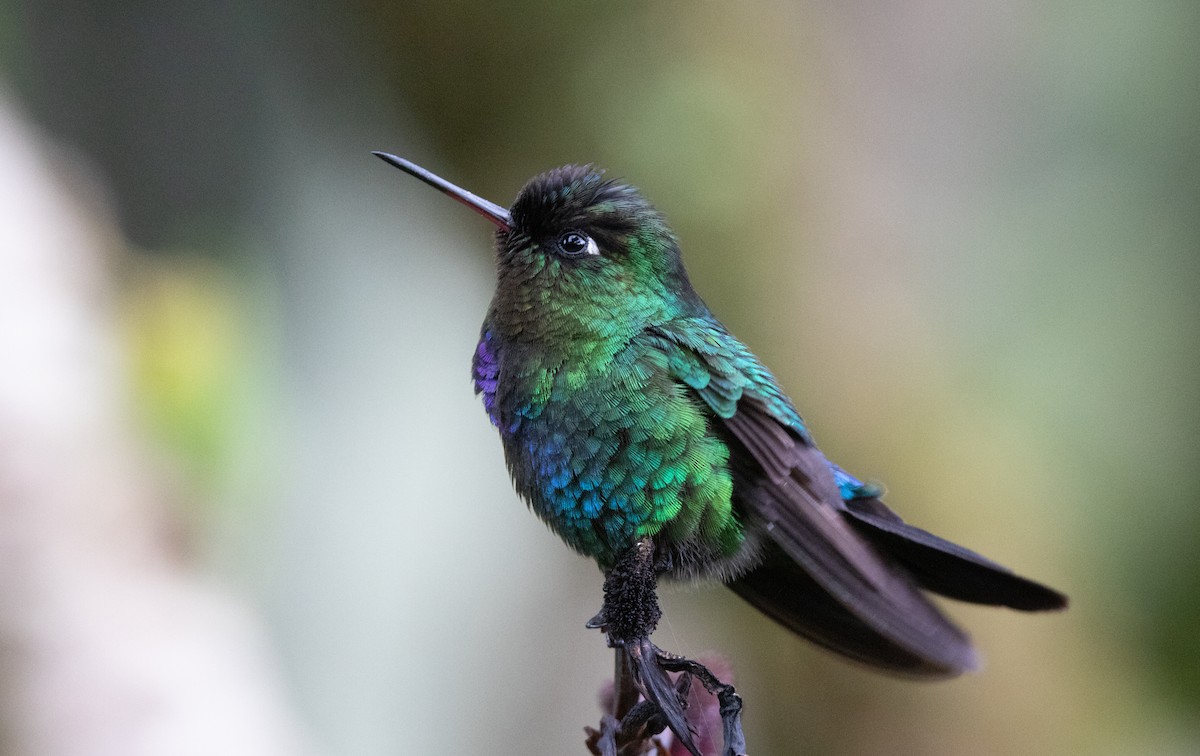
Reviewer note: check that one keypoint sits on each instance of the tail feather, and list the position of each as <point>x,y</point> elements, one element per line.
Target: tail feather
<point>947,568</point>
<point>782,590</point>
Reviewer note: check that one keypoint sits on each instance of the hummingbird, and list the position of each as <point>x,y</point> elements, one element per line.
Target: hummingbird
<point>651,439</point>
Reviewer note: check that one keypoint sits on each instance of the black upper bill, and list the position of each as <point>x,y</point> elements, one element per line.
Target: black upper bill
<point>489,210</point>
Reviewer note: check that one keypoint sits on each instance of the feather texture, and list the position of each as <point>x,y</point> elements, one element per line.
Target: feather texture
<point>628,411</point>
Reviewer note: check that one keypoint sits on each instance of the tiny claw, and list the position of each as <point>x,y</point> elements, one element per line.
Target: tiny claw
<point>599,622</point>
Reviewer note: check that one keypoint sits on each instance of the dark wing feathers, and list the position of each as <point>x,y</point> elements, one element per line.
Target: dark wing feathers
<point>856,601</point>
<point>783,591</point>
<point>768,442</point>
<point>947,568</point>
<point>843,573</point>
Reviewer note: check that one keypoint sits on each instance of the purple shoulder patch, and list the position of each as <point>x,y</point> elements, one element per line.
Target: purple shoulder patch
<point>485,369</point>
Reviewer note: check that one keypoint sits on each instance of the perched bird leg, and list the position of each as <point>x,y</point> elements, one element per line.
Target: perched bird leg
<point>728,699</point>
<point>625,691</point>
<point>628,617</point>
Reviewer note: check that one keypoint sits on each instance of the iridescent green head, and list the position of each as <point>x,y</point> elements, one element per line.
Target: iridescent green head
<point>578,256</point>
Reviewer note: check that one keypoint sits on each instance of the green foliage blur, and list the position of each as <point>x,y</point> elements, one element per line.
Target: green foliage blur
<point>966,238</point>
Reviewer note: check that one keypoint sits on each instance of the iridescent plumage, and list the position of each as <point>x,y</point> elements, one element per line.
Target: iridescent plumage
<point>627,410</point>
<point>629,414</point>
<point>652,440</point>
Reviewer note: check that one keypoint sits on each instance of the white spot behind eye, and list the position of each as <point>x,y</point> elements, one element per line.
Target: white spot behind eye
<point>592,249</point>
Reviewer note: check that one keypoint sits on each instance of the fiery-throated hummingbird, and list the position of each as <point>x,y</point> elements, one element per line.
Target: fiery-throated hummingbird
<point>652,440</point>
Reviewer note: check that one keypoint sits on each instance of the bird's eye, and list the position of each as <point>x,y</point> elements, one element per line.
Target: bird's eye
<point>575,244</point>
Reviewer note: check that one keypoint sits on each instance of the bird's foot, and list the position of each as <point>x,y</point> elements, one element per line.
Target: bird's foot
<point>728,700</point>
<point>646,700</point>
<point>663,703</point>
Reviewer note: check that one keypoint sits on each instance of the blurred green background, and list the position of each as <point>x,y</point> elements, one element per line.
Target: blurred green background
<point>966,237</point>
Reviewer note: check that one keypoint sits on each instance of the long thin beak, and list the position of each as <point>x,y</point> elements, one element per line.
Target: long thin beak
<point>489,210</point>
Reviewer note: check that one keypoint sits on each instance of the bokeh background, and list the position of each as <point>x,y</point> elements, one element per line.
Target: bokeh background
<point>249,504</point>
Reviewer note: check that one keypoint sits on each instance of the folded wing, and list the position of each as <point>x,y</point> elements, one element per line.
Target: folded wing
<point>844,573</point>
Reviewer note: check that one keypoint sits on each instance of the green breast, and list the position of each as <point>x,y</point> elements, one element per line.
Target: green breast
<point>611,450</point>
